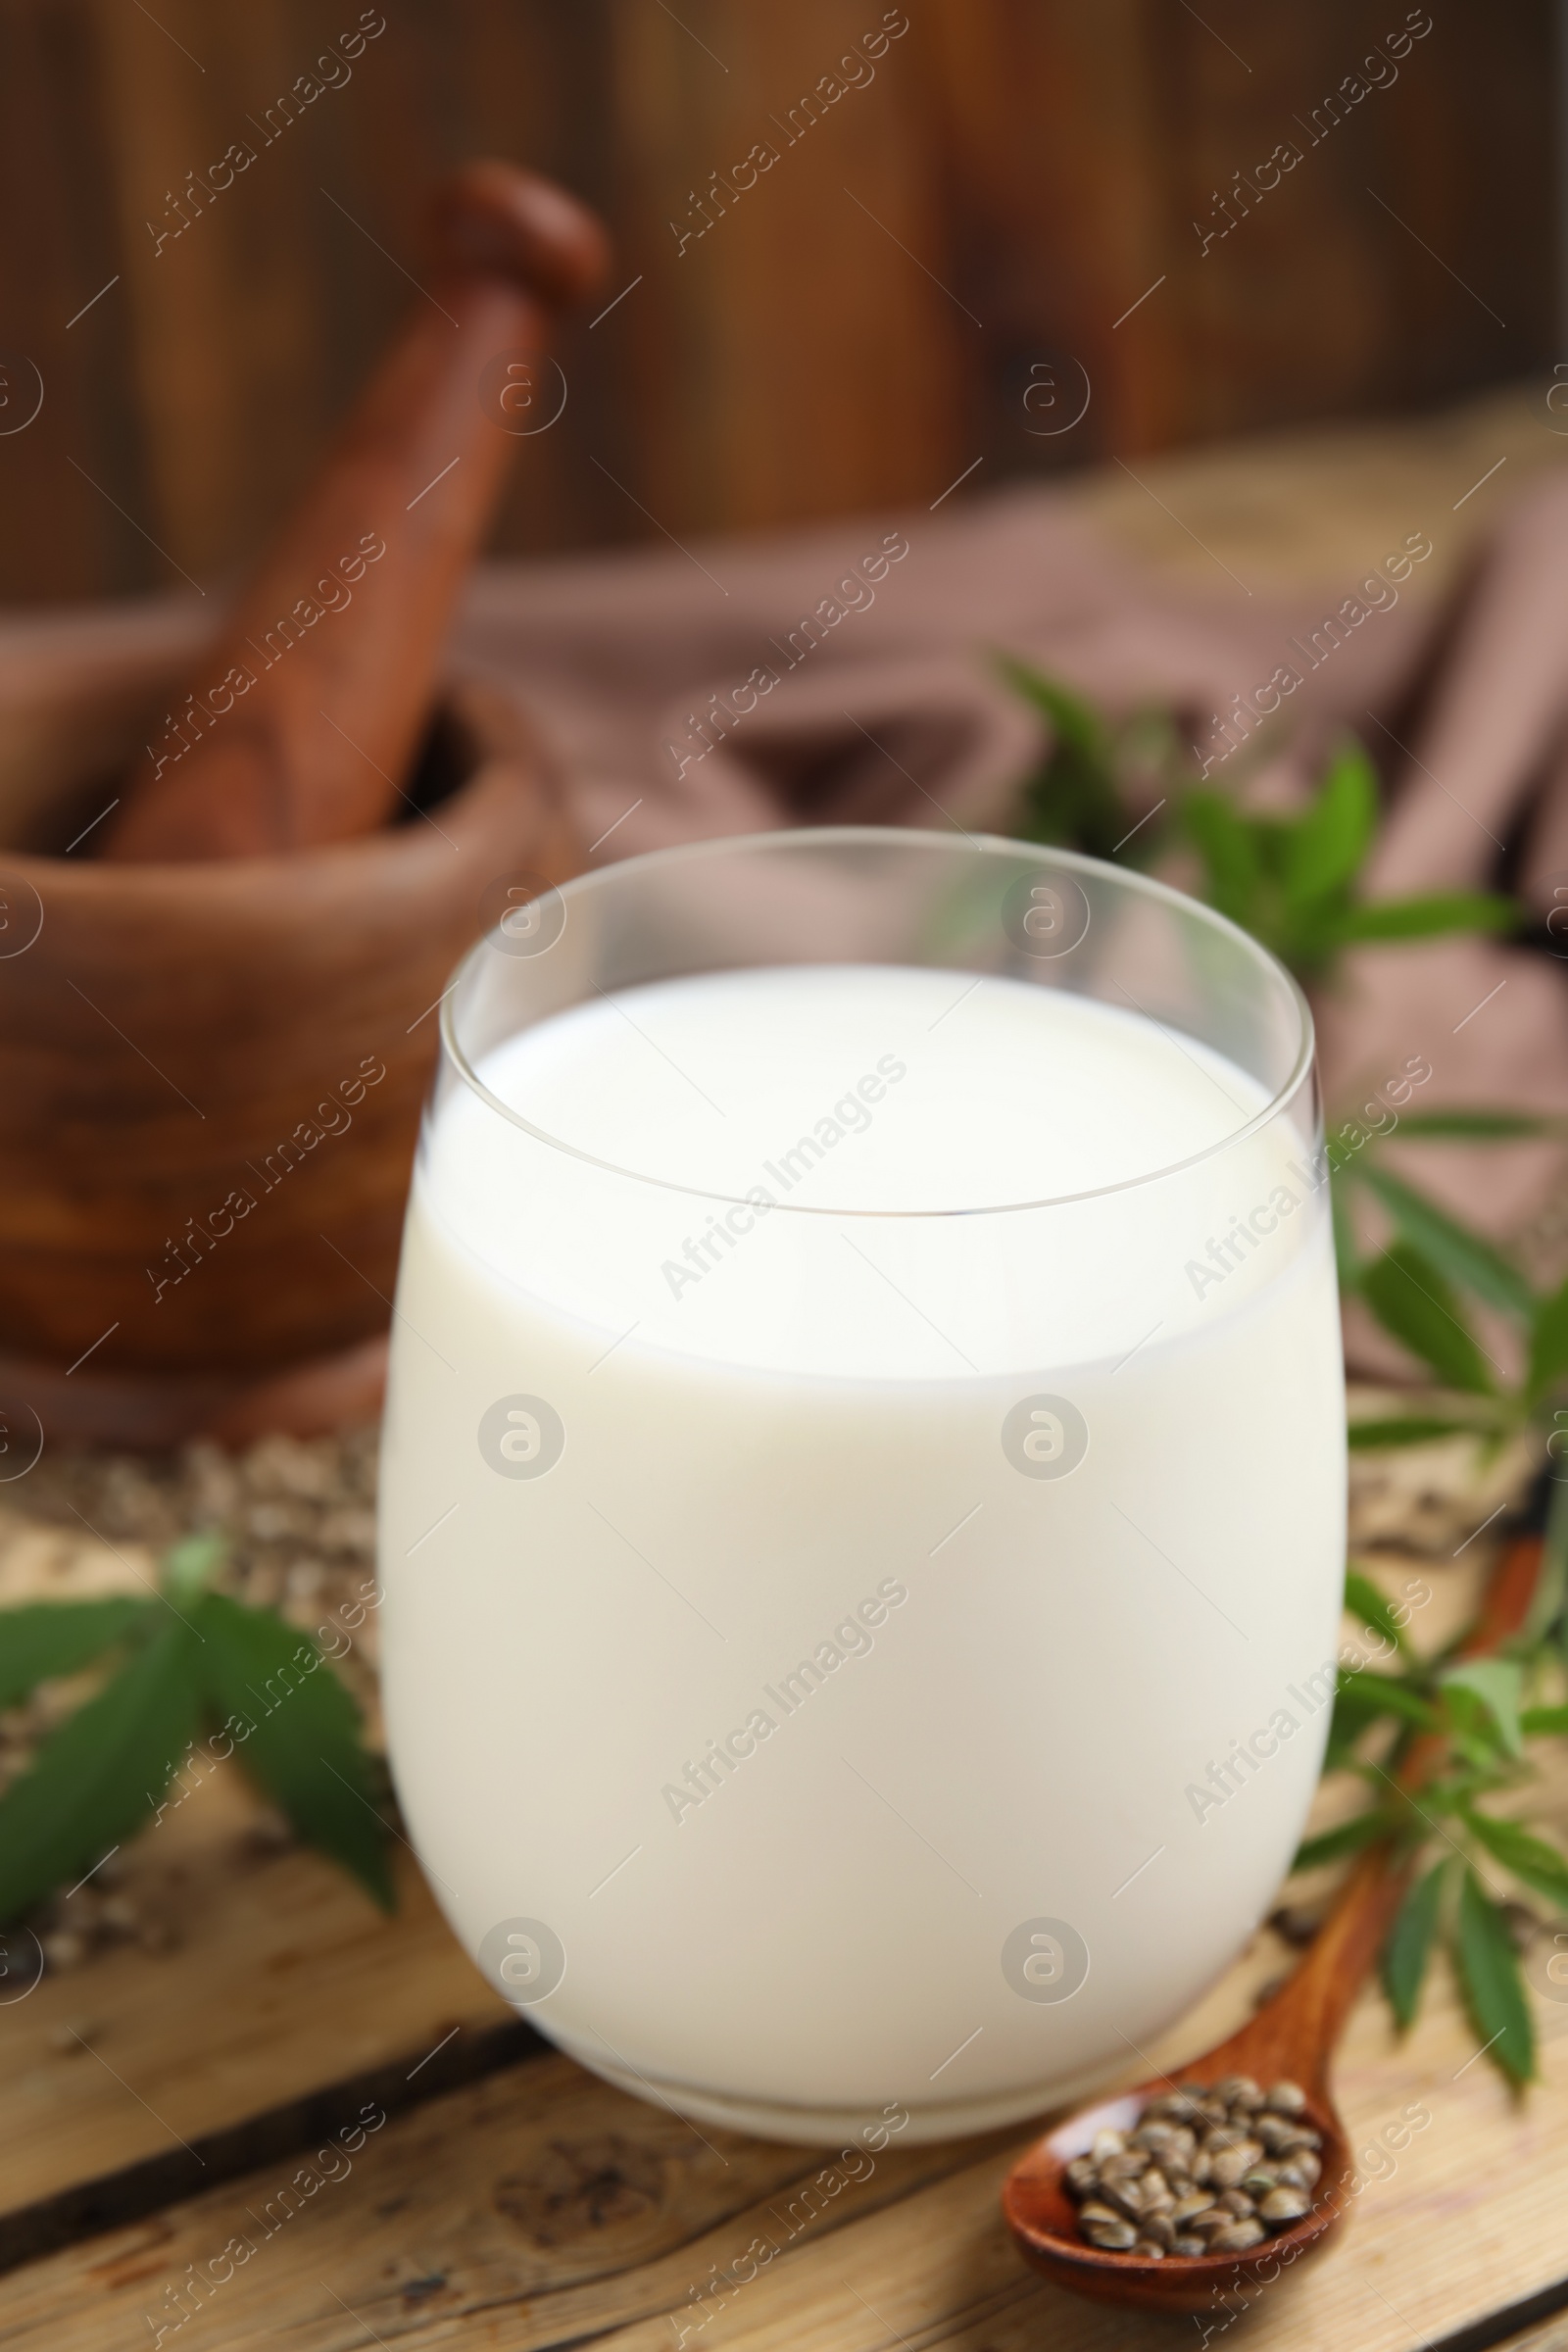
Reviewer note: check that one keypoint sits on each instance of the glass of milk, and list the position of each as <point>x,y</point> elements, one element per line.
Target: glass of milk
<point>863,1479</point>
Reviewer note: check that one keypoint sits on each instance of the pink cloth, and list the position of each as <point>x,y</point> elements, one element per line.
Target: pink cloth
<point>640,668</point>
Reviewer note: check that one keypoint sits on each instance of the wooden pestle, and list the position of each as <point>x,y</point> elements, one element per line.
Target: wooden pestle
<point>304,715</point>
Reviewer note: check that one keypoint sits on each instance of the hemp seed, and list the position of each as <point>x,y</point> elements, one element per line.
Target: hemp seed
<point>1174,2106</point>
<point>1283,2205</point>
<point>1281,2133</point>
<point>1205,2171</point>
<point>1227,2166</point>
<point>1286,2099</point>
<point>1183,2210</point>
<point>1105,2229</point>
<point>1238,2237</point>
<point>1113,2237</point>
<point>1213,2217</point>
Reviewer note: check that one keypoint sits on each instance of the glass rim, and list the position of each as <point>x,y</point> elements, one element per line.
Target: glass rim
<point>834,836</point>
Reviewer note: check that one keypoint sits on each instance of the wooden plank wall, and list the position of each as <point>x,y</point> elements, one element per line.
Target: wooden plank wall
<point>926,275</point>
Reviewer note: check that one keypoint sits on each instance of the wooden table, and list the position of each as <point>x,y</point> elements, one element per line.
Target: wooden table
<point>332,2112</point>
<point>405,2163</point>
<point>391,2157</point>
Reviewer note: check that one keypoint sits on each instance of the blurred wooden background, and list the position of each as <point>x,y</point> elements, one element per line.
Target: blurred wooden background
<point>926,276</point>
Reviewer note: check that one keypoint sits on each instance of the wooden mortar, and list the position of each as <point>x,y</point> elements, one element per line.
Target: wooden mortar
<point>212,1078</point>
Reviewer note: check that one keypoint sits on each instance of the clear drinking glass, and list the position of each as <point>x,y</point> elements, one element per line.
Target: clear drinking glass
<point>862,1485</point>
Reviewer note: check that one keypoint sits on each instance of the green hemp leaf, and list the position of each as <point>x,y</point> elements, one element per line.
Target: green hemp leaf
<point>188,1665</point>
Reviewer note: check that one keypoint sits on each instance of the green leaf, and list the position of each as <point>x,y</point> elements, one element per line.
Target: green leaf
<point>189,1565</point>
<point>1348,1839</point>
<point>1077,722</point>
<point>296,1730</point>
<point>1324,848</point>
<point>1228,848</point>
<point>1347,1250</point>
<point>1477,1126</point>
<point>1067,805</point>
<point>1462,1780</point>
<point>1474,1742</point>
<point>1075,795</point>
<point>1538,1722</point>
<point>1489,1979</point>
<point>1546,1603</point>
<point>47,1637</point>
<point>1461,1255</point>
<point>1548,1345</point>
<point>97,1777</point>
<point>1345,1727</point>
<point>1377,1695</point>
<point>1425,917</point>
<point>1362,1699</point>
<point>1363,1600</point>
<point>1368,1437</point>
<point>1410,1945</point>
<point>1497,1683</point>
<point>1410,1300</point>
<point>1353,1711</point>
<point>1531,1859</point>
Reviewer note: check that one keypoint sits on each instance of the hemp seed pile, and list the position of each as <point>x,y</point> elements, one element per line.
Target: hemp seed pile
<point>1208,2170</point>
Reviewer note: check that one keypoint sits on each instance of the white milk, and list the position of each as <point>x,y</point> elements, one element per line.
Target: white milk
<point>831,1721</point>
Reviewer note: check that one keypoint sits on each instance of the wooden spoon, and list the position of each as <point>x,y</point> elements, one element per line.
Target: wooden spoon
<point>304,715</point>
<point>1290,2038</point>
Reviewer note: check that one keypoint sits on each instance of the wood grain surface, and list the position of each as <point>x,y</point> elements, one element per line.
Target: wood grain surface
<point>911,286</point>
<point>533,2206</point>
<point>540,2207</point>
<point>284,1980</point>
